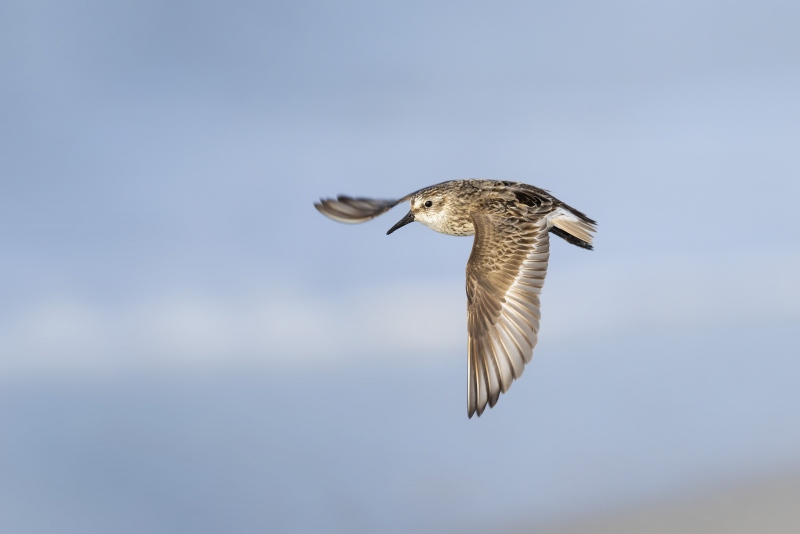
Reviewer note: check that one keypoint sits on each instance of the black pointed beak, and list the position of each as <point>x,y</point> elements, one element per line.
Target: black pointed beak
<point>409,218</point>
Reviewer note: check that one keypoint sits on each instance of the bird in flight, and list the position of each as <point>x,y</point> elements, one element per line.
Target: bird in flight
<point>512,223</point>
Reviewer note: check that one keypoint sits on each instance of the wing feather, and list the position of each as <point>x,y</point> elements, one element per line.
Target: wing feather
<point>354,210</point>
<point>505,275</point>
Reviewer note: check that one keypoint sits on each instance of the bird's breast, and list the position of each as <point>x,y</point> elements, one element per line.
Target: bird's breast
<point>461,226</point>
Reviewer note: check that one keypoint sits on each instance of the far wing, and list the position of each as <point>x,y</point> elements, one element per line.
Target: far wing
<point>353,210</point>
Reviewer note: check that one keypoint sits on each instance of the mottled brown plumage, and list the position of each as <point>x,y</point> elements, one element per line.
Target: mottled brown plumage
<point>511,222</point>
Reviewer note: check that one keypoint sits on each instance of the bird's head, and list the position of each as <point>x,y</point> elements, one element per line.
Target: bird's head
<point>428,207</point>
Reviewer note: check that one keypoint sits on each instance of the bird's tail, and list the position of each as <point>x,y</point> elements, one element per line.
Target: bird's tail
<point>572,226</point>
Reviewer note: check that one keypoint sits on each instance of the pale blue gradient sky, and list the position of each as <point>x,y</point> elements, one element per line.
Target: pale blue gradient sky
<point>185,339</point>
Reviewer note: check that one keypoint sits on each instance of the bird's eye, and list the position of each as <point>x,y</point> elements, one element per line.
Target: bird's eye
<point>428,203</point>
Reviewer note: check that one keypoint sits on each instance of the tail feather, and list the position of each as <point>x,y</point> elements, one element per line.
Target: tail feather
<point>569,238</point>
<point>573,226</point>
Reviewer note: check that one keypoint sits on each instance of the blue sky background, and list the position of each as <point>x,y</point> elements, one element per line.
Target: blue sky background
<point>187,346</point>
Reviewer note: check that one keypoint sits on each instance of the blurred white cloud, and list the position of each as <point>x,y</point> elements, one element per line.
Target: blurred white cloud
<point>290,325</point>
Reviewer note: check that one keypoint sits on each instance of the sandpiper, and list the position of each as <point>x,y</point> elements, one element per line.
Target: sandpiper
<point>511,222</point>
